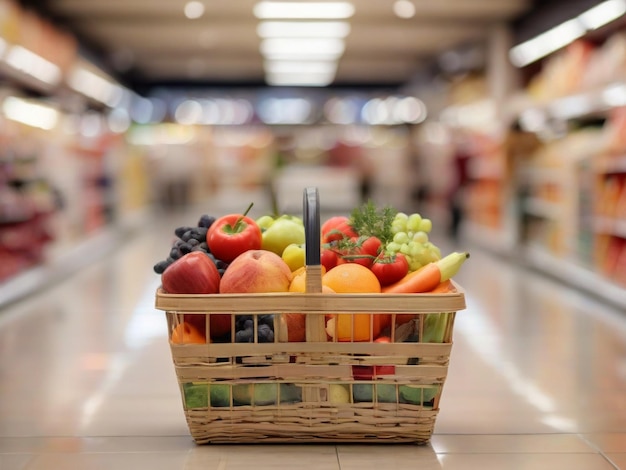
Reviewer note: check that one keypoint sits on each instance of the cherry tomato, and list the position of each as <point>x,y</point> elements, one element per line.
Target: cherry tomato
<point>370,245</point>
<point>233,234</point>
<point>337,228</point>
<point>361,250</point>
<point>390,269</point>
<point>328,258</point>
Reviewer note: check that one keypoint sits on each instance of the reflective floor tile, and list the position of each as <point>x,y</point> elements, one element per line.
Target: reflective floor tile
<point>515,444</point>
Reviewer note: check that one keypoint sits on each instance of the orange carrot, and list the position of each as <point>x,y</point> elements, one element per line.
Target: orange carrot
<point>445,287</point>
<point>429,276</point>
<point>424,279</point>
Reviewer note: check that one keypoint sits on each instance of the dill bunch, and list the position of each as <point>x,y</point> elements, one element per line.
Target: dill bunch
<point>369,220</point>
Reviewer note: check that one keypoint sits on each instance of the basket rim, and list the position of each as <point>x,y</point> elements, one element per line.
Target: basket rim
<point>287,302</point>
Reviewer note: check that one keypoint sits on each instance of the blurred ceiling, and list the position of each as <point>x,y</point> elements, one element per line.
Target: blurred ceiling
<point>147,43</point>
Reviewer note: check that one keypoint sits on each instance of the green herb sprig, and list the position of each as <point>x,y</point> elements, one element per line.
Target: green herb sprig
<point>371,221</point>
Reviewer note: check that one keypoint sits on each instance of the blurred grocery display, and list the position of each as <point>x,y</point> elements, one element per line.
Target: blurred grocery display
<point>83,152</point>
<point>547,166</point>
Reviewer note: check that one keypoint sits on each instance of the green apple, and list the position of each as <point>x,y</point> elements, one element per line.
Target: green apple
<point>220,395</point>
<point>196,395</point>
<point>339,393</point>
<point>282,232</point>
<point>257,394</point>
<point>386,393</point>
<point>363,392</point>
<point>264,222</point>
<point>413,393</point>
<point>294,255</point>
<point>290,393</point>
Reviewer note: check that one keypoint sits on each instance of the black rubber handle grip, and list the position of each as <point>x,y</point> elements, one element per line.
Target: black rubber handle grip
<point>312,228</point>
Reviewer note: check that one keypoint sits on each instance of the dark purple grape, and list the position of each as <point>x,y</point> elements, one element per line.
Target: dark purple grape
<point>184,249</point>
<point>175,253</point>
<point>244,336</point>
<point>186,236</point>
<point>240,321</point>
<point>180,231</point>
<point>161,266</point>
<point>206,221</point>
<point>265,334</point>
<point>267,320</point>
<point>193,242</point>
<point>199,233</point>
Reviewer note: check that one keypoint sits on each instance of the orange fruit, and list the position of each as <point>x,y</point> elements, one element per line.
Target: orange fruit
<point>186,333</point>
<point>298,280</point>
<point>353,278</point>
<point>296,322</point>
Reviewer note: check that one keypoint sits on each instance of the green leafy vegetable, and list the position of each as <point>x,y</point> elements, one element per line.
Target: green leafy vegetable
<point>371,221</point>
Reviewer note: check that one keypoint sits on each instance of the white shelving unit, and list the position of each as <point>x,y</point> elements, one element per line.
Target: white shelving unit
<point>576,275</point>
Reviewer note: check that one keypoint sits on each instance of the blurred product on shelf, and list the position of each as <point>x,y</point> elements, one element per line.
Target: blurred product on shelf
<point>486,195</point>
<point>563,73</point>
<point>350,155</point>
<point>27,201</point>
<point>174,167</point>
<point>458,190</point>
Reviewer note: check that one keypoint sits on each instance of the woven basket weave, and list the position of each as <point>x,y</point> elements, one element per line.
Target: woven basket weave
<point>320,390</point>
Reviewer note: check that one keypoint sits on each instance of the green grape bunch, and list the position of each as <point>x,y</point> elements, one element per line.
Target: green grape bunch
<point>410,237</point>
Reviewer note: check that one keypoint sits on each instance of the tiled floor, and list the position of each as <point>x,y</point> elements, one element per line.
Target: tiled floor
<point>537,379</point>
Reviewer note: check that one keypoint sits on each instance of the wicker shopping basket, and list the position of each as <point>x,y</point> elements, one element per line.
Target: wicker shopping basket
<point>321,390</point>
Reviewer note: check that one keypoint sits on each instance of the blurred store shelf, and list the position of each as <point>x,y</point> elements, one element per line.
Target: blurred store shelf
<point>578,276</point>
<point>71,258</point>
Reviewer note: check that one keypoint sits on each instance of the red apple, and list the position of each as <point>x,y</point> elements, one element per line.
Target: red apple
<point>220,323</point>
<point>256,271</point>
<point>193,273</point>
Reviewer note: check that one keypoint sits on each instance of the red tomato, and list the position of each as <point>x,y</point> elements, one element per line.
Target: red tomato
<point>370,246</point>
<point>363,251</point>
<point>231,235</point>
<point>328,258</point>
<point>337,228</point>
<point>390,269</point>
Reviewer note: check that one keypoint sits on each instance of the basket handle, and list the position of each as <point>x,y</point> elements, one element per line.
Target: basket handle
<point>315,323</point>
<point>312,226</point>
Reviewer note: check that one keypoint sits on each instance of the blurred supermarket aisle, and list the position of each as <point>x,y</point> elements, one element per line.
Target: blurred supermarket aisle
<point>537,377</point>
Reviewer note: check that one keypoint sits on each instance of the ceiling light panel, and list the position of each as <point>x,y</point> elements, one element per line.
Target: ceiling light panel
<point>602,14</point>
<point>303,10</point>
<point>303,29</point>
<point>546,43</point>
<point>34,65</point>
<point>299,79</point>
<point>560,36</point>
<point>288,66</point>
<point>327,47</point>
<point>30,113</point>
